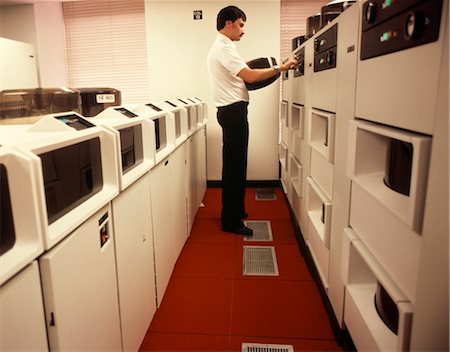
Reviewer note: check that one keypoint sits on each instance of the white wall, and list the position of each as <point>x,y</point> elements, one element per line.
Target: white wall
<point>42,25</point>
<point>177,50</point>
<point>17,23</point>
<point>49,20</point>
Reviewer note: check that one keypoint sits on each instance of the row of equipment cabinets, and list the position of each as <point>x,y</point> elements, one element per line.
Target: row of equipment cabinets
<point>94,213</point>
<point>364,155</point>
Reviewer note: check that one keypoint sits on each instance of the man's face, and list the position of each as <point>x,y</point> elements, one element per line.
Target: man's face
<point>236,29</point>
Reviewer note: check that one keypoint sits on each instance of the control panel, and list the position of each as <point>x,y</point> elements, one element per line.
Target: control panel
<point>75,121</point>
<point>300,68</point>
<point>325,50</point>
<point>394,25</point>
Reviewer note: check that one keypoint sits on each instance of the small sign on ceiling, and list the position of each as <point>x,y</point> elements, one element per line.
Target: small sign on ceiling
<point>198,14</point>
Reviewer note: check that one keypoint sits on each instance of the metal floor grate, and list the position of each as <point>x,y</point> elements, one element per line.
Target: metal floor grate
<point>262,231</point>
<point>265,194</point>
<point>260,260</point>
<point>261,347</point>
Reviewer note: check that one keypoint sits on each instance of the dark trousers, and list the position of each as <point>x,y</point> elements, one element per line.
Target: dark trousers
<point>233,120</point>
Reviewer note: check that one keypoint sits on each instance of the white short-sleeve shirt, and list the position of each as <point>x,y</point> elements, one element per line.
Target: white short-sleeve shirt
<point>224,63</point>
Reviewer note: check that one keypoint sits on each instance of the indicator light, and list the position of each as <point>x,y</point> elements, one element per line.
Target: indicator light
<point>388,35</point>
<point>387,3</point>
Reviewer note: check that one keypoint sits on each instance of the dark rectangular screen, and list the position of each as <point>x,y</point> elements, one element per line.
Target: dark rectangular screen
<point>158,139</point>
<point>131,147</point>
<point>72,174</point>
<point>177,124</point>
<point>75,121</point>
<point>7,232</point>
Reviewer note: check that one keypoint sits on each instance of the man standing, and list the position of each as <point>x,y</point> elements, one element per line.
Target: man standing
<point>228,73</point>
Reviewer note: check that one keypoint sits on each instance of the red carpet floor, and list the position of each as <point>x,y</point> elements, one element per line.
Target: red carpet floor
<point>210,305</point>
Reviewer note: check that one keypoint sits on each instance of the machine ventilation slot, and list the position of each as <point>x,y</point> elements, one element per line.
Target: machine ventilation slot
<point>170,103</point>
<point>260,261</point>
<point>262,347</point>
<point>262,231</point>
<point>154,107</point>
<point>265,194</point>
<point>126,112</point>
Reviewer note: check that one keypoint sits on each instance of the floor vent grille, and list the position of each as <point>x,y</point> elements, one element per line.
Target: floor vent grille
<point>260,261</point>
<point>260,347</point>
<point>262,231</point>
<point>265,194</point>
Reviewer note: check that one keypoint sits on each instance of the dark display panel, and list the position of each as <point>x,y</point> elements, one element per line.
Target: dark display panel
<point>325,50</point>
<point>158,140</point>
<point>75,121</point>
<point>131,147</point>
<point>72,175</point>
<point>7,231</point>
<point>300,68</point>
<point>160,132</point>
<point>391,26</point>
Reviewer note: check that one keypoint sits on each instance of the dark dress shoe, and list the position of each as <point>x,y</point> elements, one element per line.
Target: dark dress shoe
<point>243,230</point>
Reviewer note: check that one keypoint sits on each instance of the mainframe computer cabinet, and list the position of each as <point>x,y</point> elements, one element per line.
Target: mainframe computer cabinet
<point>169,199</point>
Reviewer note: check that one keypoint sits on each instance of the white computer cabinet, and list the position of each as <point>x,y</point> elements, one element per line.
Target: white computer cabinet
<point>348,51</point>
<point>132,217</point>
<point>196,164</point>
<point>79,286</point>
<point>398,164</point>
<point>22,321</point>
<point>169,199</point>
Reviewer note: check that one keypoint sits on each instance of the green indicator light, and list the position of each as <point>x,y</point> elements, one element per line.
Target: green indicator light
<point>386,36</point>
<point>387,3</point>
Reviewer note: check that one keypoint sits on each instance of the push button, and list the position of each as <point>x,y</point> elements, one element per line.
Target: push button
<point>370,13</point>
<point>414,25</point>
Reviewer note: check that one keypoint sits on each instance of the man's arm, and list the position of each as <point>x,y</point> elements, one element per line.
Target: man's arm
<point>250,75</point>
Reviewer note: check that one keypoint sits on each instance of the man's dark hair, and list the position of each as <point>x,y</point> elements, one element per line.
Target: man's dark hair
<point>229,13</point>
